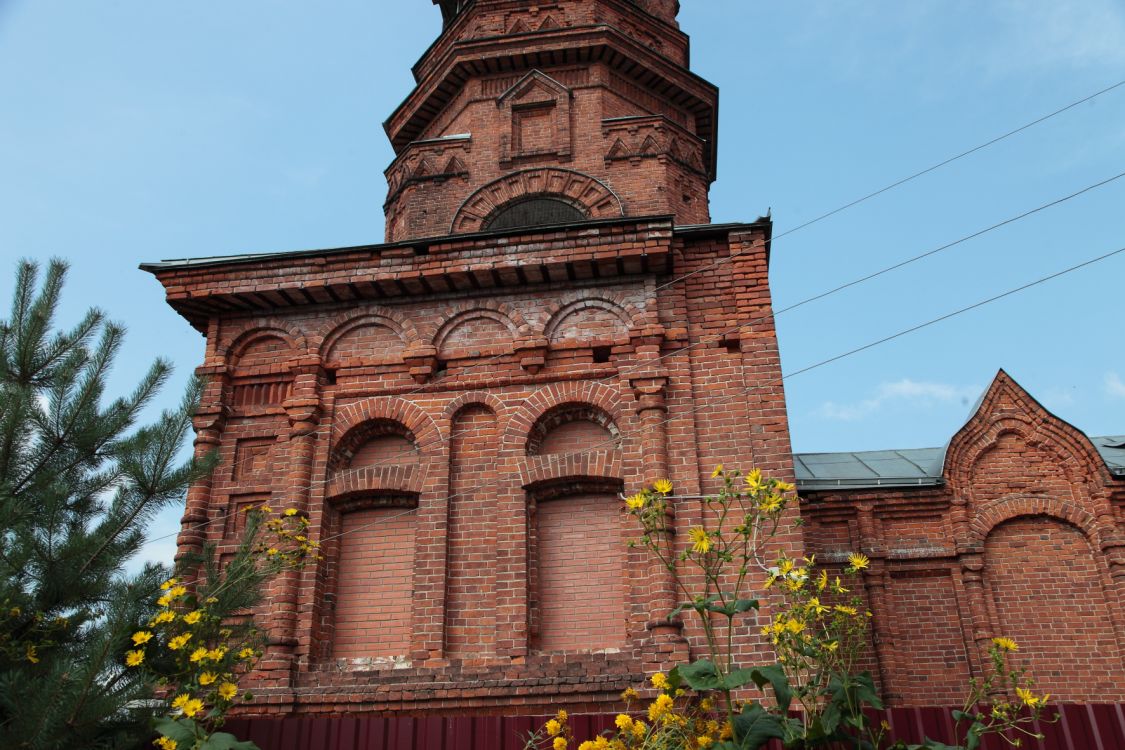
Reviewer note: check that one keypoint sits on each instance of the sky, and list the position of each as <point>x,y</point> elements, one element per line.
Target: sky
<point>138,130</point>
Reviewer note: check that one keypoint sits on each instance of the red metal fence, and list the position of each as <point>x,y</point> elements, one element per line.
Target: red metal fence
<point>1080,727</point>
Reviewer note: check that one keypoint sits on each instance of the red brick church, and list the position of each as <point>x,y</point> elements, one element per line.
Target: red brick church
<point>552,320</point>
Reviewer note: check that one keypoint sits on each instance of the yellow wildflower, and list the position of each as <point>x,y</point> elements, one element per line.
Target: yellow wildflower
<point>663,486</point>
<point>31,654</point>
<point>552,728</point>
<point>727,733</point>
<point>165,743</point>
<point>784,567</point>
<point>636,502</point>
<point>754,480</point>
<point>247,653</point>
<point>1030,699</point>
<point>817,607</point>
<point>700,542</point>
<point>629,694</point>
<point>272,551</point>
<point>587,745</point>
<point>168,584</point>
<point>192,707</point>
<point>1006,644</point>
<point>177,591</point>
<point>141,637</point>
<point>844,609</point>
<point>193,617</point>
<point>164,601</point>
<point>639,729</point>
<point>822,582</point>
<point>163,617</point>
<point>179,641</point>
<point>832,646</point>
<point>660,707</point>
<point>794,626</point>
<point>770,504</point>
<point>134,658</point>
<point>198,655</point>
<point>290,511</point>
<point>559,743</point>
<point>717,472</point>
<point>707,704</point>
<point>562,715</point>
<point>216,654</point>
<point>704,741</point>
<point>181,700</point>
<point>858,561</point>
<point>624,722</point>
<point>207,678</point>
<point>659,681</point>
<point>784,487</point>
<point>228,690</point>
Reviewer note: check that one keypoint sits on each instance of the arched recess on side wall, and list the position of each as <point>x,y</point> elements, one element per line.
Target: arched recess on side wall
<point>1049,590</point>
<point>471,567</point>
<point>584,193</point>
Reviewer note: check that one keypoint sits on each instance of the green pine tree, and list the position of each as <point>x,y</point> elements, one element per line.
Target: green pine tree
<point>80,479</point>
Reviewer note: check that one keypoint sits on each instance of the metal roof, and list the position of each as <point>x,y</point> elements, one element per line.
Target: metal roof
<point>918,467</point>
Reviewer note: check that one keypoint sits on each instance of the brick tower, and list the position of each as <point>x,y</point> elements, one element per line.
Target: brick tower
<point>550,321</point>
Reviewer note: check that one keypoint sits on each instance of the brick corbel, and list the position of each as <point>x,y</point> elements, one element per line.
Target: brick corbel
<point>532,353</point>
<point>421,361</point>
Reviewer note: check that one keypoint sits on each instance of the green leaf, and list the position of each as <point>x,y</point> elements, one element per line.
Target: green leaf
<point>775,676</point>
<point>180,730</point>
<point>675,679</point>
<point>755,727</point>
<point>929,744</point>
<point>865,690</point>
<point>224,741</point>
<point>701,675</point>
<point>737,678</point>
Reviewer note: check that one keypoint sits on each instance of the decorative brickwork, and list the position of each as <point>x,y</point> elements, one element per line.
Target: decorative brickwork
<point>1021,540</point>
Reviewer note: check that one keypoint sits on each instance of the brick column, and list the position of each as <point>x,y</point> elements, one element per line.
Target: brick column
<point>668,644</point>
<point>875,582</point>
<point>972,575</point>
<point>303,410</point>
<point>208,421</point>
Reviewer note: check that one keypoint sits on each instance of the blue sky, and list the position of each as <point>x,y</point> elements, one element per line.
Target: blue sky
<point>135,130</point>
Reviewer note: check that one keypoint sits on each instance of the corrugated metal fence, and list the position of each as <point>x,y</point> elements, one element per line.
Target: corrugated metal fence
<point>1080,727</point>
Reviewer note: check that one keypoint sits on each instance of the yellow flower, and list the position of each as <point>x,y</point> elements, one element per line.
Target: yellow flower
<point>193,617</point>
<point>228,690</point>
<point>587,745</point>
<point>552,728</point>
<point>663,486</point>
<point>163,617</point>
<point>659,681</point>
<point>272,551</point>
<point>290,511</point>
<point>770,504</point>
<point>178,591</point>
<point>198,655</point>
<point>559,743</point>
<point>784,487</point>
<point>181,700</point>
<point>727,732</point>
<point>624,722</point>
<point>168,584</point>
<point>754,480</point>
<point>858,561</point>
<point>192,707</point>
<point>164,743</point>
<point>832,646</point>
<point>207,678</point>
<point>216,654</point>
<point>31,654</point>
<point>141,637</point>
<point>164,601</point>
<point>794,626</point>
<point>246,653</point>
<point>562,716</point>
<point>717,472</point>
<point>1030,699</point>
<point>179,641</point>
<point>636,502</point>
<point>660,707</point>
<point>816,606</point>
<point>822,582</point>
<point>1006,644</point>
<point>639,729</point>
<point>784,567</point>
<point>700,542</point>
<point>707,705</point>
<point>843,608</point>
<point>704,741</point>
<point>134,658</point>
<point>629,694</point>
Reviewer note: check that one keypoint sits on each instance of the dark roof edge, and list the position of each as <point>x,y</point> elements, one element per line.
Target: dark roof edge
<point>222,260</point>
<point>869,483</point>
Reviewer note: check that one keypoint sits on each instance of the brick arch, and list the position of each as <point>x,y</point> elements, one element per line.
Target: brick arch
<point>587,393</point>
<point>999,512</point>
<point>589,194</point>
<point>474,398</point>
<point>629,317</point>
<point>513,319</point>
<point>258,329</point>
<point>477,313</point>
<point>390,409</point>
<point>335,328</point>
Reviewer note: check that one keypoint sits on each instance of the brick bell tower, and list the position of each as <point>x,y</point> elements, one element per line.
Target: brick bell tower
<point>551,321</point>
